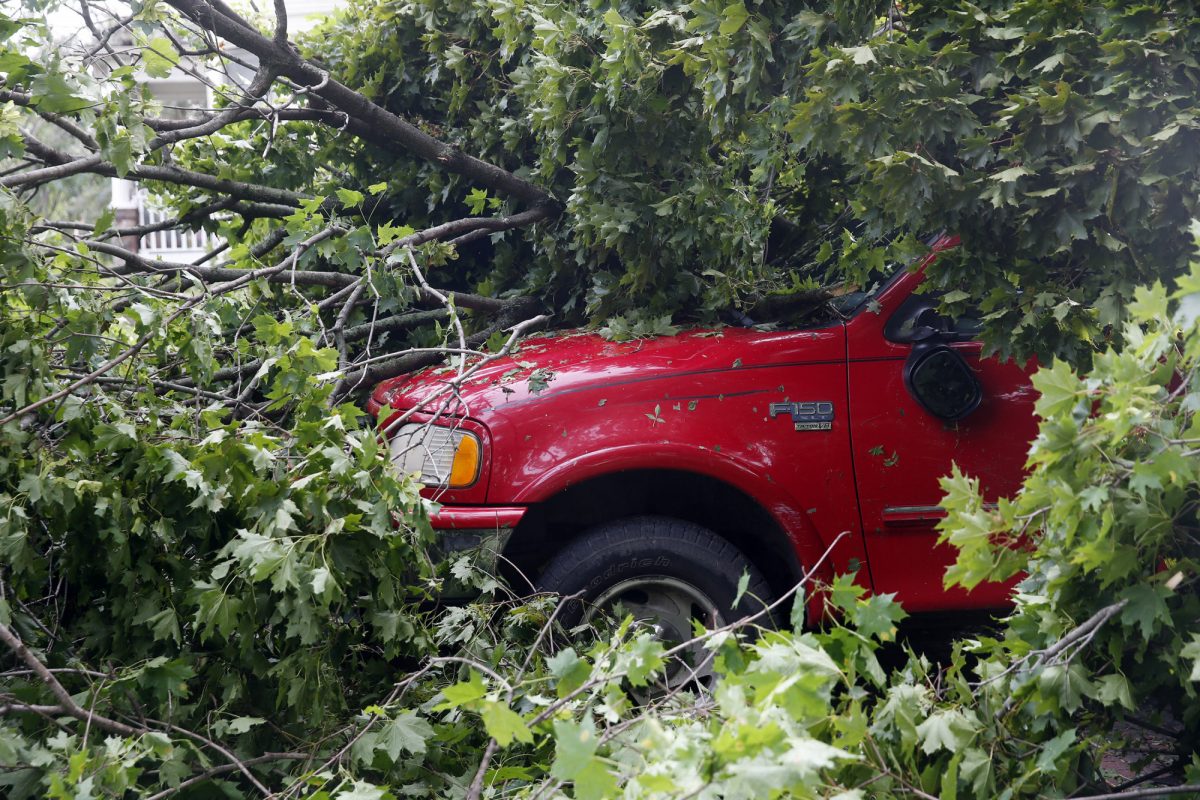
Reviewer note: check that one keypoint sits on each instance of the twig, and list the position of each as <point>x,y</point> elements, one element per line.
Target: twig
<point>227,768</point>
<point>445,301</point>
<point>453,384</point>
<point>236,762</point>
<point>1079,636</point>
<point>477,782</point>
<point>553,708</point>
<point>1157,791</point>
<point>1175,766</point>
<point>67,704</point>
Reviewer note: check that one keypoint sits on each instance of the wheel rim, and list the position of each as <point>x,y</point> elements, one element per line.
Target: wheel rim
<point>666,607</point>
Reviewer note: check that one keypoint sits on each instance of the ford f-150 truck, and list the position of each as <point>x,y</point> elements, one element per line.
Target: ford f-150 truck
<point>653,473</point>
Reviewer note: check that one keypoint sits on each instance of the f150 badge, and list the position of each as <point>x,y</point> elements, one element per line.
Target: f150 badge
<point>809,415</point>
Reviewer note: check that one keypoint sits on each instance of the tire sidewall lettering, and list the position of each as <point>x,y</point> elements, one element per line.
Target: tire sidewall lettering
<point>629,565</point>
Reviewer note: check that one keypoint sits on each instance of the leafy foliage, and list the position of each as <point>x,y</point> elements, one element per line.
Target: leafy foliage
<point>211,578</point>
<point>711,153</point>
<point>1109,508</point>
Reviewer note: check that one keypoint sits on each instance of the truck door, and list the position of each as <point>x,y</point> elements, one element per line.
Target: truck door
<point>901,447</point>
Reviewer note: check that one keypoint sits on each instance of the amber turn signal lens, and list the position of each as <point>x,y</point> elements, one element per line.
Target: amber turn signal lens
<point>465,468</point>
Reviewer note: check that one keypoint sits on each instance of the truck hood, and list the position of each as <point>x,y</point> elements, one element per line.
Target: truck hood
<point>554,364</point>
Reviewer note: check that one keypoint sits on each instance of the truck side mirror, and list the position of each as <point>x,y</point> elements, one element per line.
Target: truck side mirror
<point>929,324</point>
<point>942,382</point>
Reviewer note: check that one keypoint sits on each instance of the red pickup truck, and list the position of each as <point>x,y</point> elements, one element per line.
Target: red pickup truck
<point>653,473</point>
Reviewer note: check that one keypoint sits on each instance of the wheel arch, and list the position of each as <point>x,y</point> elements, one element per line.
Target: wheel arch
<point>572,508</point>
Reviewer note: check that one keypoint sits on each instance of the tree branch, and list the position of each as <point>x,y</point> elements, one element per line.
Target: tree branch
<point>190,219</point>
<point>324,115</point>
<point>258,87</point>
<point>368,120</point>
<point>473,226</point>
<point>68,705</point>
<point>64,166</point>
<point>244,277</point>
<point>1157,791</point>
<point>225,769</point>
<point>22,99</point>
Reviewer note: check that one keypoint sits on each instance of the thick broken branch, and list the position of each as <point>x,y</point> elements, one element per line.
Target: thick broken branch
<point>63,166</point>
<point>258,87</point>
<point>367,120</point>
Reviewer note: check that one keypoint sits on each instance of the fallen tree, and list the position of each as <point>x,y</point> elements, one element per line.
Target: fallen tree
<point>212,578</point>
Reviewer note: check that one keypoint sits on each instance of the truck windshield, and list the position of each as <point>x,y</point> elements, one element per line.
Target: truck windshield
<point>854,302</point>
<point>851,303</point>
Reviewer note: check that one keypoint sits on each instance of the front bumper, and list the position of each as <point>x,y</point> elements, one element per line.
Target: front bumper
<point>462,518</point>
<point>481,530</point>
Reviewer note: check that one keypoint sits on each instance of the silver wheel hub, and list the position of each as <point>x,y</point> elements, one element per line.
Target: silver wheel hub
<point>666,607</point>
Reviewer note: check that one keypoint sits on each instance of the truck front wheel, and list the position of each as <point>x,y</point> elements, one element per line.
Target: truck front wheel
<point>663,571</point>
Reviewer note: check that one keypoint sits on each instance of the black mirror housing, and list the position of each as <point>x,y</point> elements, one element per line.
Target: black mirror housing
<point>942,382</point>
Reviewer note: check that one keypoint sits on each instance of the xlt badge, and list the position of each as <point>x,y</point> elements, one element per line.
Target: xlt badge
<point>808,415</point>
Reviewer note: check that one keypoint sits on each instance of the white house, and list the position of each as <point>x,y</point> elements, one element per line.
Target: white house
<point>179,93</point>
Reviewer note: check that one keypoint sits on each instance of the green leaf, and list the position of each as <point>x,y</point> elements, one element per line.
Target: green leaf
<point>167,677</point>
<point>1052,750</point>
<point>1147,606</point>
<point>407,733</point>
<point>595,781</point>
<point>1114,690</point>
<point>949,730</point>
<point>799,610</point>
<point>641,658</point>
<point>322,580</point>
<point>574,746</point>
<point>1063,687</point>
<point>877,616</point>
<point>216,612</point>
<point>570,670</point>
<point>362,790</point>
<point>743,584</point>
<point>104,221</point>
<point>52,92</point>
<point>976,768</point>
<point>165,625</point>
<point>1059,390</point>
<point>1004,33</point>
<point>350,198</point>
<point>844,592</point>
<point>1192,650</point>
<point>463,693</point>
<point>503,724</point>
<point>1011,174</point>
<point>477,200</point>
<point>159,57</point>
<point>860,55</point>
<point>243,724</point>
<point>733,18</point>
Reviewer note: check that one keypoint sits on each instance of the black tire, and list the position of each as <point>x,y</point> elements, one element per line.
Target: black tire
<point>648,547</point>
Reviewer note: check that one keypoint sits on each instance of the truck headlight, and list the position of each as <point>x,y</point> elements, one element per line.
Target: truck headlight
<point>442,456</point>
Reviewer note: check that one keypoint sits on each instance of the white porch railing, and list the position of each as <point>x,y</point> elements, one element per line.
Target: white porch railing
<point>173,244</point>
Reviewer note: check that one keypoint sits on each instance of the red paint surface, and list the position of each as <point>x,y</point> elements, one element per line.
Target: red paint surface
<point>474,518</point>
<point>699,402</point>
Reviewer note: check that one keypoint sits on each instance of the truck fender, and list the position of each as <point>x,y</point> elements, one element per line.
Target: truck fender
<point>785,510</point>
